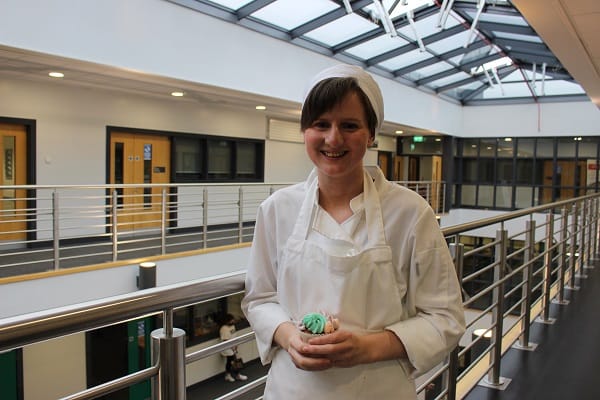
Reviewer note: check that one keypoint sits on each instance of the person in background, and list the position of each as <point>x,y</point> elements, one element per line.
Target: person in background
<point>226,332</point>
<point>350,244</point>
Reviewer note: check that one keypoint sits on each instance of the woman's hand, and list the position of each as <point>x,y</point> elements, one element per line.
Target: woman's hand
<point>346,349</point>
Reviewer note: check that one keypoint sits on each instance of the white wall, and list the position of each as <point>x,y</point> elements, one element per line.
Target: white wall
<point>545,119</point>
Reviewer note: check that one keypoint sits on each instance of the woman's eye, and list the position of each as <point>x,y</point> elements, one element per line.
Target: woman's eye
<point>321,125</point>
<point>350,126</point>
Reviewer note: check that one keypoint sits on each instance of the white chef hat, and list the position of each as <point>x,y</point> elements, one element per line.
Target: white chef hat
<point>365,81</point>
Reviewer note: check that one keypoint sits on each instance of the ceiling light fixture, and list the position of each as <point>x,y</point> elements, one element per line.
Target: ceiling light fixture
<point>177,94</point>
<point>261,107</point>
<point>56,74</point>
<point>399,132</point>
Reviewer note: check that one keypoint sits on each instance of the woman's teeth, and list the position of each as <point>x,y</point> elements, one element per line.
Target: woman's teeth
<point>334,153</point>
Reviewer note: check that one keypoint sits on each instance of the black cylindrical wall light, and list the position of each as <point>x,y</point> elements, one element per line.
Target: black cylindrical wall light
<point>146,275</point>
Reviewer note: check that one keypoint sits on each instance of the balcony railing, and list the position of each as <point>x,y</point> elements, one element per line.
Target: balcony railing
<point>52,227</point>
<point>508,282</point>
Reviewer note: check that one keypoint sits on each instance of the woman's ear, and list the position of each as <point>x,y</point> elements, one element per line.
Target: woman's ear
<point>371,140</point>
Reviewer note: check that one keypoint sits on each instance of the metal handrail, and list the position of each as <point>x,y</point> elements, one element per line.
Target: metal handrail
<point>575,224</point>
<point>63,226</point>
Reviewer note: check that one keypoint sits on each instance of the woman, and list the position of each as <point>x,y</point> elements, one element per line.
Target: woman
<point>350,244</point>
<point>226,332</point>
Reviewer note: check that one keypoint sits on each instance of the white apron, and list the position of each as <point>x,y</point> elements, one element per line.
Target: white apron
<point>358,287</point>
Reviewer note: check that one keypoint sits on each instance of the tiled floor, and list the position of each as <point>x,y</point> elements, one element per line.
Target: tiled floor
<point>566,362</point>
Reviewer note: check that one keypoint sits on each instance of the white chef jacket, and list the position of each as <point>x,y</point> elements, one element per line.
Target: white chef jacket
<point>423,292</point>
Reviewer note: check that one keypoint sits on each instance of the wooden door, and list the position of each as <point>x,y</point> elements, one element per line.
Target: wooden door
<point>436,187</point>
<point>13,162</point>
<point>139,159</point>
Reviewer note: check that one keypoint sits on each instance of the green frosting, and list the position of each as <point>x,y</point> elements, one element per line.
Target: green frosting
<point>314,322</point>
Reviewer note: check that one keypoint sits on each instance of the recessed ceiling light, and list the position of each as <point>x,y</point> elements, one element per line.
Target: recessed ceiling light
<point>177,94</point>
<point>438,139</point>
<point>508,139</point>
<point>261,107</point>
<point>399,132</point>
<point>55,74</point>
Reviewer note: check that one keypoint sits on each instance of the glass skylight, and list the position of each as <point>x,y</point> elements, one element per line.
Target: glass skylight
<point>360,37</point>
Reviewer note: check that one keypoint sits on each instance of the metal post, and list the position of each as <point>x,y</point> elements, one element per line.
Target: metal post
<point>583,255</point>
<point>241,215</point>
<point>572,260</point>
<point>168,350</point>
<point>562,254</point>
<point>204,217</point>
<point>163,222</point>
<point>457,250</point>
<point>493,378</point>
<point>588,221</point>
<point>56,229</point>
<point>547,280</point>
<point>115,234</point>
<point>596,232</point>
<point>524,343</point>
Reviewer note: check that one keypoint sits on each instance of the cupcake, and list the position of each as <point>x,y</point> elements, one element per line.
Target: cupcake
<point>315,324</point>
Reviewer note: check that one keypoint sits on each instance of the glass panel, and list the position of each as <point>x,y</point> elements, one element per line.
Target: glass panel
<point>523,197</point>
<point>449,43</point>
<point>516,36</point>
<point>545,148</point>
<point>486,196</point>
<point>588,148</point>
<point>219,159</point>
<point>119,162</point>
<point>566,147</point>
<point>505,147</point>
<point>504,171</point>
<point>556,87</point>
<point>405,59</point>
<point>188,158</point>
<point>500,18</point>
<point>232,4</point>
<point>524,172</point>
<point>421,145</point>
<point>290,14</point>
<point>424,27</point>
<point>341,29</point>
<point>377,46</point>
<point>486,170</point>
<point>504,196</point>
<point>470,169</point>
<point>470,147</point>
<point>8,173</point>
<point>147,174</point>
<point>450,79</point>
<point>488,148</point>
<point>246,160</point>
<point>525,147</point>
<point>468,195</point>
<point>507,90</point>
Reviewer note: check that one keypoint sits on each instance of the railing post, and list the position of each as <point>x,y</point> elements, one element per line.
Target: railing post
<point>457,250</point>
<point>588,223</point>
<point>524,343</point>
<point>56,229</point>
<point>241,215</point>
<point>547,280</point>
<point>572,257</point>
<point>163,222</point>
<point>596,233</point>
<point>562,251</point>
<point>204,217</point>
<point>493,378</point>
<point>115,234</point>
<point>168,350</point>
<point>583,259</point>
